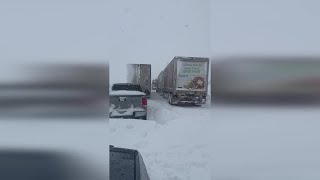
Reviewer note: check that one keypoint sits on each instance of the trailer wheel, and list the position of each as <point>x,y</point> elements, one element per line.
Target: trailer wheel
<point>170,99</point>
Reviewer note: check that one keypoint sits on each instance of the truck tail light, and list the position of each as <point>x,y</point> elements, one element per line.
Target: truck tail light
<point>144,102</point>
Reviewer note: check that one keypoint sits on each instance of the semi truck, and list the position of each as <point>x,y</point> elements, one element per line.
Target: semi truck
<point>154,84</point>
<point>140,74</point>
<point>185,80</point>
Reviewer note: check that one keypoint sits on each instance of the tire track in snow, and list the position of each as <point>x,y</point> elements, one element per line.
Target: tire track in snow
<point>161,111</point>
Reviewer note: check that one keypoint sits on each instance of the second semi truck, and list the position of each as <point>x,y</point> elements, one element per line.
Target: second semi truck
<point>185,80</point>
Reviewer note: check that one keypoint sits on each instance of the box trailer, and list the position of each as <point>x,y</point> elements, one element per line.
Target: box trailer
<point>185,80</point>
<point>140,74</point>
<point>154,84</point>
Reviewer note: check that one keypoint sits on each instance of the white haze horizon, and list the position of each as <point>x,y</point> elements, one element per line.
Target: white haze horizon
<point>124,32</point>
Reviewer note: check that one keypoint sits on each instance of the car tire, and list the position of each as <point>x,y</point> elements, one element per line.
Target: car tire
<point>144,117</point>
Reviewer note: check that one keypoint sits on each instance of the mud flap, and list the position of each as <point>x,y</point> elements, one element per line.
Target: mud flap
<point>127,164</point>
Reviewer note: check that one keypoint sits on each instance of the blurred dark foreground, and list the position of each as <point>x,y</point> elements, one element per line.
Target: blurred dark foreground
<point>55,91</point>
<point>43,165</point>
<point>266,80</point>
<point>53,122</point>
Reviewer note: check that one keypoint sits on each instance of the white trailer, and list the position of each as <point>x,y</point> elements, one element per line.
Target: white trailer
<point>185,80</point>
<point>140,74</point>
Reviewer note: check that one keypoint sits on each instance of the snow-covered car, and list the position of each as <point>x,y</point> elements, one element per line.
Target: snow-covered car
<point>127,101</point>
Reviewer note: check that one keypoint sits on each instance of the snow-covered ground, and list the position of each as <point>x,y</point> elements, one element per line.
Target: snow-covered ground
<point>169,141</point>
<point>224,142</point>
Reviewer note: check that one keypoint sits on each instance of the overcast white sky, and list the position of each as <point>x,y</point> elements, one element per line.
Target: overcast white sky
<point>154,31</point>
<point>50,29</point>
<point>265,26</point>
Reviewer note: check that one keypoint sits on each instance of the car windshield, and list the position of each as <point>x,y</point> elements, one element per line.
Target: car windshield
<point>128,87</point>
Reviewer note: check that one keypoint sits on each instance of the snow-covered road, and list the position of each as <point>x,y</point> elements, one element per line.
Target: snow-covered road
<point>169,141</point>
<point>224,143</point>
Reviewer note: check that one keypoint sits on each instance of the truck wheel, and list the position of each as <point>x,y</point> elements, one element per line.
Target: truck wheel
<point>144,117</point>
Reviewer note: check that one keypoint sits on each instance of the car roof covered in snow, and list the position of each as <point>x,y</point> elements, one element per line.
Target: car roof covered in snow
<point>124,93</point>
<point>126,84</point>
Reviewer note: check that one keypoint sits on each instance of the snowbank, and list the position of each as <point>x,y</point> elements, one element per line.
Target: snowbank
<point>172,144</point>
<point>224,142</point>
<point>169,151</point>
